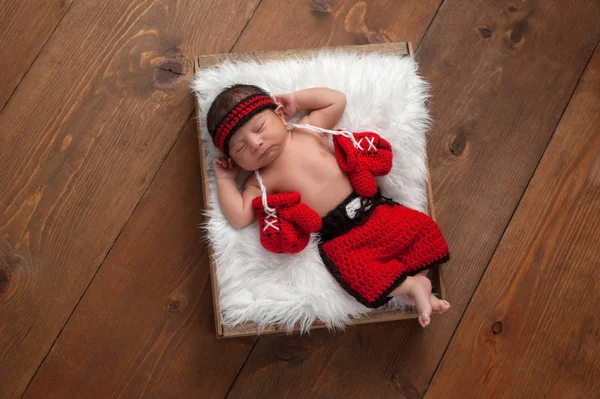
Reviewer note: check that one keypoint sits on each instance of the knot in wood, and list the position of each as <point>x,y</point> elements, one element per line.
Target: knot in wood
<point>320,6</point>
<point>485,31</point>
<point>374,37</point>
<point>170,72</point>
<point>407,388</point>
<point>410,390</point>
<point>458,144</point>
<point>515,37</point>
<point>174,306</point>
<point>497,328</point>
<point>4,280</point>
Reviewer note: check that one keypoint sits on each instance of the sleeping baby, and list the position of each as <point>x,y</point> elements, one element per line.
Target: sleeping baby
<point>374,247</point>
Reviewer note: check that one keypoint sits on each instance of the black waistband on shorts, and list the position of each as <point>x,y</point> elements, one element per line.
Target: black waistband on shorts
<point>353,211</point>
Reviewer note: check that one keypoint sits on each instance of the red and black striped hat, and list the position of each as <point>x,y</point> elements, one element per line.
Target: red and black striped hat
<point>239,114</point>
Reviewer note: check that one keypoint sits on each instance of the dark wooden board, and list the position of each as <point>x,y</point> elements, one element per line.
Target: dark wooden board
<point>145,326</point>
<point>532,329</point>
<point>25,26</point>
<point>282,25</point>
<point>190,359</point>
<point>82,137</point>
<point>501,76</point>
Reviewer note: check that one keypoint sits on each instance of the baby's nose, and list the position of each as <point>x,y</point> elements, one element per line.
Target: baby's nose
<point>257,142</point>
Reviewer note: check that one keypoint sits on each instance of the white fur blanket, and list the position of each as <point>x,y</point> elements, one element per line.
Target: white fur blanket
<point>384,94</point>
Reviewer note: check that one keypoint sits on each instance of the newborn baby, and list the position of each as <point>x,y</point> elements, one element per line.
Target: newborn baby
<point>374,247</point>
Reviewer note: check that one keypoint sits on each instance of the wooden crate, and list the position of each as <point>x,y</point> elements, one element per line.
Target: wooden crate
<point>249,328</point>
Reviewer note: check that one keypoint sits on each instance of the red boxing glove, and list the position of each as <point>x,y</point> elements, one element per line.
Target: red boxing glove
<point>371,156</point>
<point>286,229</point>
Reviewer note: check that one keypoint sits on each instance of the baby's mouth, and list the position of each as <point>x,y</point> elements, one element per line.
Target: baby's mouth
<point>265,152</point>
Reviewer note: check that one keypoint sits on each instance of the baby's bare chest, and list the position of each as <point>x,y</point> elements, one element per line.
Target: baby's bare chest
<point>306,160</point>
<point>308,167</point>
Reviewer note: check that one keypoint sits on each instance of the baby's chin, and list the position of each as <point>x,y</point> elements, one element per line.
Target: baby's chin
<point>270,158</point>
<point>264,162</point>
<point>258,166</point>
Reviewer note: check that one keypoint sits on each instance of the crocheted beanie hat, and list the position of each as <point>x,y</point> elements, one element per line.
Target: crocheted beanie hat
<point>233,107</point>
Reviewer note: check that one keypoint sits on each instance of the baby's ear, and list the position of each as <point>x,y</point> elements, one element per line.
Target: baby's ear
<point>280,113</point>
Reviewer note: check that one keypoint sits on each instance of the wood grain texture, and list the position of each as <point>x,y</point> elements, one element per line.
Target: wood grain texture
<point>25,26</point>
<point>82,137</point>
<point>532,329</point>
<point>498,94</point>
<point>145,326</point>
<point>281,25</point>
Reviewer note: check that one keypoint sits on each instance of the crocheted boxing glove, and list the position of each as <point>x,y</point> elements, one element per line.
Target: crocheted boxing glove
<point>286,227</point>
<point>368,156</point>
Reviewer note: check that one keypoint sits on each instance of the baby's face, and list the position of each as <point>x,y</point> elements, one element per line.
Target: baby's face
<point>259,141</point>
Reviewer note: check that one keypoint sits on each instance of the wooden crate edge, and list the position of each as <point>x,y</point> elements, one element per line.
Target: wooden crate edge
<point>206,61</point>
<point>249,329</point>
<point>206,206</point>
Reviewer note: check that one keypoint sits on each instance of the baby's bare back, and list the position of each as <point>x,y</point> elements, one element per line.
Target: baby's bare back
<point>307,166</point>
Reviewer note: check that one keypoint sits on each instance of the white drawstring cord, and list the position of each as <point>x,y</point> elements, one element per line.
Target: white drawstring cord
<point>271,213</point>
<point>342,132</point>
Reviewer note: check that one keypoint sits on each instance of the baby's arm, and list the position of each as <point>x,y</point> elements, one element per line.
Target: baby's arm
<point>326,105</point>
<point>236,206</point>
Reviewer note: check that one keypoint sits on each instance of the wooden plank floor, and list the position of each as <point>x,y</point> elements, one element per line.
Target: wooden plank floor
<point>104,285</point>
<point>25,26</point>
<point>533,318</point>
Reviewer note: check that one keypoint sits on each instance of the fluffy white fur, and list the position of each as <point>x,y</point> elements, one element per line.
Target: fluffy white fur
<point>384,94</point>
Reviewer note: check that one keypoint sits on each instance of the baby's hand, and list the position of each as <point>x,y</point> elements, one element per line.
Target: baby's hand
<point>226,169</point>
<point>288,101</point>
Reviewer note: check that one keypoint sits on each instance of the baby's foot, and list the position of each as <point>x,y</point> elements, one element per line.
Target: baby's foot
<point>438,305</point>
<point>420,293</point>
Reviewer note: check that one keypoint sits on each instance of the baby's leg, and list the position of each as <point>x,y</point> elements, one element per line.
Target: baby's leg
<point>416,290</point>
<point>437,305</point>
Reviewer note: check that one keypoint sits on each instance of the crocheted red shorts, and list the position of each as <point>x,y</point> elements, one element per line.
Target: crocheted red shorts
<point>370,246</point>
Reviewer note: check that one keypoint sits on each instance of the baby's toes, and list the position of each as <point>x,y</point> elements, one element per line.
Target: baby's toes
<point>439,305</point>
<point>445,305</point>
<point>436,304</point>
